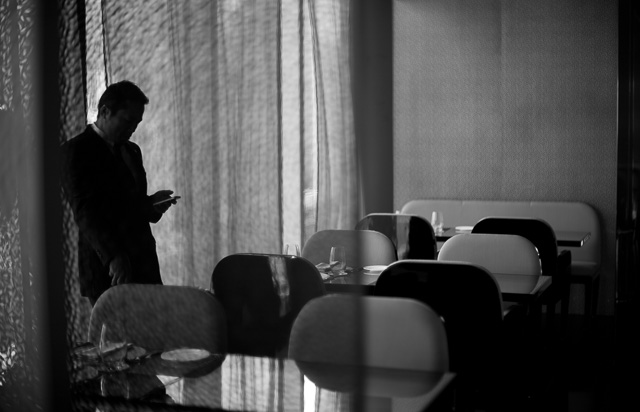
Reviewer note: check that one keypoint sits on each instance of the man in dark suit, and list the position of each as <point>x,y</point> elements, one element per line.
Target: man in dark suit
<point>106,185</point>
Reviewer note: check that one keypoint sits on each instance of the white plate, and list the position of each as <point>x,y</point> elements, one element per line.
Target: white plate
<point>464,228</point>
<point>185,355</point>
<point>375,268</point>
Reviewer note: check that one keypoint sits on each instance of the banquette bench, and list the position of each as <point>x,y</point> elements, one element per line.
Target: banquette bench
<point>562,216</point>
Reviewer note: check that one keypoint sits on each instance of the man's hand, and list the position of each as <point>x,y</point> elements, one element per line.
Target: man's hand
<point>161,195</point>
<point>120,270</point>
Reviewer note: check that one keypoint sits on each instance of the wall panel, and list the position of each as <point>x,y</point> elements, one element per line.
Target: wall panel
<point>511,99</point>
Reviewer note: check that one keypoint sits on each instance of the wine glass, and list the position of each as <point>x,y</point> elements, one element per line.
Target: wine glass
<point>437,222</point>
<point>291,249</point>
<point>115,384</point>
<point>337,260</point>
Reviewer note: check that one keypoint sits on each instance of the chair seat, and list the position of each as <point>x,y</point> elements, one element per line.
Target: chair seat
<point>514,315</point>
<point>509,307</point>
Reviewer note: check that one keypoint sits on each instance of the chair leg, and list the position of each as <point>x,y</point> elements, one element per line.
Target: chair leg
<point>535,319</point>
<point>596,291</point>
<point>591,290</point>
<point>588,291</point>
<point>551,316</point>
<point>564,305</point>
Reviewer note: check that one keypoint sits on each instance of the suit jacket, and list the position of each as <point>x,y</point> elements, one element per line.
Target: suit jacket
<point>108,196</point>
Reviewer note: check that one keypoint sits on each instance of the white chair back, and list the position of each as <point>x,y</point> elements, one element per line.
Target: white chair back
<point>511,259</point>
<point>362,247</point>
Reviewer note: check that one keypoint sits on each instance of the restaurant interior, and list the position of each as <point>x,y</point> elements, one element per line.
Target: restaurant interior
<point>288,122</point>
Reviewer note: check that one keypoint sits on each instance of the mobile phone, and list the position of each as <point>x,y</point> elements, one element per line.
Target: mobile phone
<point>167,200</point>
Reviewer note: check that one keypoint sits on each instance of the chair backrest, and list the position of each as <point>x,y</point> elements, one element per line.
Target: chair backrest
<point>160,317</point>
<point>537,231</point>
<point>262,294</point>
<point>345,329</point>
<point>362,247</point>
<point>466,296</point>
<point>412,235</point>
<point>499,254</point>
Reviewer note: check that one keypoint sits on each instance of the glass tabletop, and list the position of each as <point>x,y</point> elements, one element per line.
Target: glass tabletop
<point>239,382</point>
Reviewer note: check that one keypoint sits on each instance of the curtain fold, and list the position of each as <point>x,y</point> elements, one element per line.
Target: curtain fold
<point>249,120</point>
<point>337,177</point>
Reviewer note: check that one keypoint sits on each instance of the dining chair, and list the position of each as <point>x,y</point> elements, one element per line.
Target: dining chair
<point>465,295</point>
<point>511,259</point>
<point>262,294</point>
<point>362,247</point>
<point>554,264</point>
<point>160,318</point>
<point>375,331</point>
<point>412,235</point>
<point>467,298</point>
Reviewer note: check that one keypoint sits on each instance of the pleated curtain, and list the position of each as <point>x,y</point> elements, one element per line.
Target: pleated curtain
<point>250,119</point>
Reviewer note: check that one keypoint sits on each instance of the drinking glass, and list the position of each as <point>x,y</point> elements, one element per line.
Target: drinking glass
<point>112,353</point>
<point>291,249</point>
<point>337,260</point>
<point>437,222</point>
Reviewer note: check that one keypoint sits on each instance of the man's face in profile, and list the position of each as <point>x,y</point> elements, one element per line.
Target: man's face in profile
<point>119,126</point>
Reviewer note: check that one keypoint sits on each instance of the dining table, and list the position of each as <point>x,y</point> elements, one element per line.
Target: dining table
<point>514,288</point>
<point>565,238</point>
<point>249,383</point>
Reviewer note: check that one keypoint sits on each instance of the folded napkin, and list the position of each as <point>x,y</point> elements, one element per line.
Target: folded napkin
<point>325,267</point>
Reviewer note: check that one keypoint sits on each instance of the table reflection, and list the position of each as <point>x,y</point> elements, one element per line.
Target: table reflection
<point>238,382</point>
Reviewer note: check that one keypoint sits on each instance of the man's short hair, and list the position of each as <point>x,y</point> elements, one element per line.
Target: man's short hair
<point>117,94</point>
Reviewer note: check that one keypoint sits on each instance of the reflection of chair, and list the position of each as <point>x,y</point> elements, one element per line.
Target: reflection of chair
<point>362,247</point>
<point>468,299</point>
<point>160,317</point>
<point>344,329</point>
<point>412,235</point>
<point>540,233</point>
<point>391,352</point>
<point>502,255</point>
<point>262,294</point>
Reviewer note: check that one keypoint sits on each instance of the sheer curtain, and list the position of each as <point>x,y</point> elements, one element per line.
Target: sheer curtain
<point>250,119</point>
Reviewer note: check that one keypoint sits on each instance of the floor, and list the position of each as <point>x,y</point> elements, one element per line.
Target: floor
<point>584,367</point>
<point>579,367</point>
